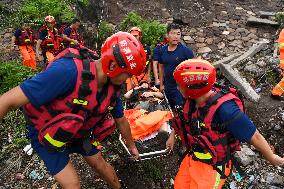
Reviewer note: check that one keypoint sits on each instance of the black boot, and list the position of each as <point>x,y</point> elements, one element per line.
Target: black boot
<point>276,97</point>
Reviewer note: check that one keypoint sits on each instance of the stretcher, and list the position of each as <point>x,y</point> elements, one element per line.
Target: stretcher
<point>153,144</point>
<point>152,153</point>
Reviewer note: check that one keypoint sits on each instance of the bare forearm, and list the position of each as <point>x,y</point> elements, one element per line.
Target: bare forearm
<point>125,131</point>
<point>12,99</point>
<point>260,143</point>
<point>155,70</point>
<point>38,46</point>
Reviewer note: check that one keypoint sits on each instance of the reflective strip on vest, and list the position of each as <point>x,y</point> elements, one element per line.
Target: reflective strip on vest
<point>202,155</point>
<point>281,61</point>
<point>218,178</point>
<point>81,102</point>
<point>96,143</point>
<point>281,45</point>
<point>110,108</point>
<point>279,86</point>
<point>53,142</point>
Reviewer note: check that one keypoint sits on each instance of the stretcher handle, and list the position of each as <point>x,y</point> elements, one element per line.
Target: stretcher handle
<point>168,104</point>
<point>147,155</point>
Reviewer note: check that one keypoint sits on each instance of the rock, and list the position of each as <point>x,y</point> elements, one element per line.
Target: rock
<point>209,41</point>
<point>226,33</point>
<point>242,30</point>
<point>221,45</point>
<point>253,30</point>
<point>188,39</point>
<point>193,30</point>
<point>274,179</point>
<point>231,37</point>
<point>200,40</point>
<point>200,45</point>
<point>204,50</point>
<point>170,20</point>
<point>261,63</point>
<point>246,156</point>
<point>165,13</point>
<point>8,35</point>
<point>252,36</point>
<point>277,127</point>
<point>245,39</point>
<point>200,34</point>
<point>252,68</point>
<point>236,43</point>
<point>251,13</point>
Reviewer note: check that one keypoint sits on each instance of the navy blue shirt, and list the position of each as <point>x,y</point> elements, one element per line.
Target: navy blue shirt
<point>237,123</point>
<point>170,60</point>
<point>18,33</point>
<point>67,31</point>
<point>58,80</point>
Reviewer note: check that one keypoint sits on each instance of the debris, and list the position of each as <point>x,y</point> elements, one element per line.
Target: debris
<point>264,14</point>
<point>19,176</point>
<point>233,76</point>
<point>28,149</point>
<point>251,52</point>
<point>261,21</point>
<point>35,175</point>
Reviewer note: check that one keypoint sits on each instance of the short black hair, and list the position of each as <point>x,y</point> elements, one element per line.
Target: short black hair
<point>173,26</point>
<point>75,20</point>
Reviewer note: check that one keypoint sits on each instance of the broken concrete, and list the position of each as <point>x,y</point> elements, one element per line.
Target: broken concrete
<point>251,52</point>
<point>233,76</point>
<point>261,21</point>
<point>227,59</point>
<point>264,14</point>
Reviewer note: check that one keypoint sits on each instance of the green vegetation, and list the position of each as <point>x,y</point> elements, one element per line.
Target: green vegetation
<point>104,31</point>
<point>36,10</point>
<point>153,31</point>
<point>12,74</point>
<point>279,17</point>
<point>13,125</point>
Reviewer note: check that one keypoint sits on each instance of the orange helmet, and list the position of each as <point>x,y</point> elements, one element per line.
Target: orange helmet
<point>136,31</point>
<point>126,51</point>
<point>195,76</point>
<point>49,19</point>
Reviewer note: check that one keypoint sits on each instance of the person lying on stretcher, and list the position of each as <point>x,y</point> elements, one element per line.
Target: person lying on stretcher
<point>144,97</point>
<point>144,112</point>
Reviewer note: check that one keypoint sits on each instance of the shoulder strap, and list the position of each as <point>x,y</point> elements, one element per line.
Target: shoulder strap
<point>86,78</point>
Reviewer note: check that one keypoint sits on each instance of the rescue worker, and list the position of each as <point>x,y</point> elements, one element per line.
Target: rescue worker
<point>49,41</point>
<point>169,56</point>
<point>70,106</point>
<point>278,91</point>
<point>23,38</point>
<point>71,36</point>
<point>211,124</point>
<point>145,76</point>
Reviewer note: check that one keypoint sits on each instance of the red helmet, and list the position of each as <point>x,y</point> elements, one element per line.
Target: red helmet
<point>49,19</point>
<point>126,51</point>
<point>136,31</point>
<point>195,76</point>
